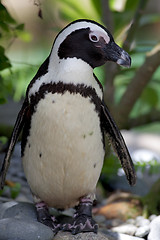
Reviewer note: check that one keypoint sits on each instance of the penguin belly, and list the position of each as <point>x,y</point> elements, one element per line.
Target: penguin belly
<point>64,153</point>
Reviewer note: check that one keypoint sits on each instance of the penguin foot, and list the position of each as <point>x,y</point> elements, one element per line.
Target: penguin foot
<point>43,216</point>
<point>82,221</point>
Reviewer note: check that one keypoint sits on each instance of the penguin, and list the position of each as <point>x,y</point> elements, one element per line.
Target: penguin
<point>63,121</point>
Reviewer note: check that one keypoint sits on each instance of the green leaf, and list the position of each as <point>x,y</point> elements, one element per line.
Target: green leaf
<point>20,27</point>
<point>2,100</point>
<point>4,26</point>
<point>97,5</point>
<point>3,140</point>
<point>24,35</point>
<point>15,190</point>
<point>131,5</point>
<point>4,15</point>
<point>72,10</point>
<point>150,96</point>
<point>4,61</point>
<point>121,22</point>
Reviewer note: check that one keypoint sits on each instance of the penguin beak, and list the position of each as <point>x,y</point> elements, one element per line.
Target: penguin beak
<point>116,54</point>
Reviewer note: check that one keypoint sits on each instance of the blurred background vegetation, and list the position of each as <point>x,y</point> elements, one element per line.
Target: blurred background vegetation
<point>27,31</point>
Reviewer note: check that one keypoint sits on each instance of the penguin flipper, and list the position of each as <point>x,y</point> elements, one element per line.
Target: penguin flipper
<point>118,144</point>
<point>15,134</point>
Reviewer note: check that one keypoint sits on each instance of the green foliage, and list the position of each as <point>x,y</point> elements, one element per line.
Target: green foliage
<point>3,60</point>
<point>9,30</point>
<point>110,167</point>
<point>3,140</point>
<point>151,201</point>
<point>14,190</point>
<point>71,10</point>
<point>15,82</point>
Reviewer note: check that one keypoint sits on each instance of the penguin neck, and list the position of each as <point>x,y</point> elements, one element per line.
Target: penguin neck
<point>68,71</point>
<point>71,71</point>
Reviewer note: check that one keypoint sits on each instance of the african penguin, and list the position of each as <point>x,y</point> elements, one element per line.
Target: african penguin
<point>63,120</point>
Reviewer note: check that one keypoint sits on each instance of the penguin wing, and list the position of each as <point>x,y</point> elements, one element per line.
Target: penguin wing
<point>118,143</point>
<point>15,134</point>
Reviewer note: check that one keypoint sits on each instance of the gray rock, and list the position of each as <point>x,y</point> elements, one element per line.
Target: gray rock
<point>142,231</point>
<point>154,229</point>
<point>125,228</point>
<point>118,236</point>
<point>140,221</point>
<point>113,222</point>
<point>99,219</point>
<point>81,236</point>
<point>128,237</point>
<point>152,217</point>
<point>5,206</point>
<point>18,229</point>
<point>21,211</point>
<point>130,221</point>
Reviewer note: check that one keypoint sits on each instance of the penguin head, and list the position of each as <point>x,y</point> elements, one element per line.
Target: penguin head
<point>90,42</point>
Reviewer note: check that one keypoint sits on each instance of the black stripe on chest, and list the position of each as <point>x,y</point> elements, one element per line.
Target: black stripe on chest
<point>61,88</point>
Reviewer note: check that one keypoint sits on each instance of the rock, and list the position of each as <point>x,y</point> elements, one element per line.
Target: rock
<point>100,219</point>
<point>154,229</point>
<point>80,236</point>
<point>142,231</point>
<point>18,229</point>
<point>21,211</point>
<point>121,209</point>
<point>125,228</point>
<point>109,223</point>
<point>118,236</point>
<point>131,221</point>
<point>5,206</point>
<point>152,217</point>
<point>141,221</point>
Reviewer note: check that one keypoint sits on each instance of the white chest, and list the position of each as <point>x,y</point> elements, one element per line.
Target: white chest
<point>64,153</point>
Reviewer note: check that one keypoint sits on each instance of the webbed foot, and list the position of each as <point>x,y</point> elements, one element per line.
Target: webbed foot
<point>43,216</point>
<point>82,221</point>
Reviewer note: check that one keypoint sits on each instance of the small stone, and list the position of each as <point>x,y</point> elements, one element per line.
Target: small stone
<point>99,219</point>
<point>139,218</point>
<point>154,229</point>
<point>18,229</point>
<point>131,221</point>
<point>142,222</point>
<point>5,206</point>
<point>113,222</point>
<point>127,237</point>
<point>142,231</point>
<point>21,211</point>
<point>118,236</point>
<point>125,228</point>
<point>152,217</point>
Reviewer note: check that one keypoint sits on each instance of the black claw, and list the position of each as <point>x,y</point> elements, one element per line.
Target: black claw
<point>76,230</point>
<point>81,224</point>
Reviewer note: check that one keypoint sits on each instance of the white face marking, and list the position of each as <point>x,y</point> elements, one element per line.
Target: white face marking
<point>95,36</point>
<point>76,26</point>
<point>70,70</point>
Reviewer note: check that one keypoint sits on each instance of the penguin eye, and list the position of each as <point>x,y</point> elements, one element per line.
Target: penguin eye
<point>93,37</point>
